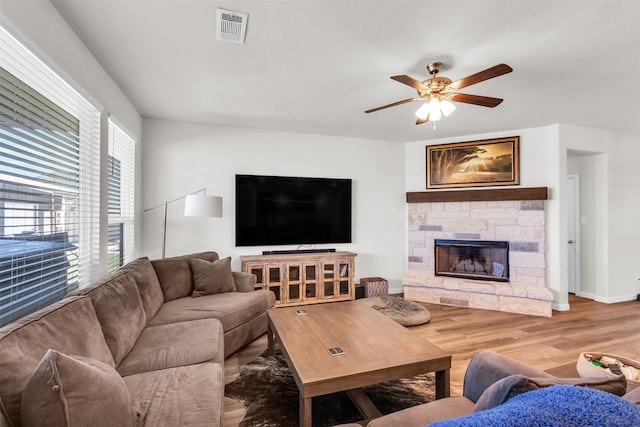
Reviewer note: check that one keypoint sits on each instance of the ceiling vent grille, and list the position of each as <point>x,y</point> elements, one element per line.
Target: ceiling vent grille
<point>231,26</point>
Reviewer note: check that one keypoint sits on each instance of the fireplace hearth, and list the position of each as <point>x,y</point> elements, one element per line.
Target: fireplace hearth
<point>472,259</point>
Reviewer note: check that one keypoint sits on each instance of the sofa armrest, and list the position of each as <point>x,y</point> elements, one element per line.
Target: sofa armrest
<point>633,395</point>
<point>245,282</point>
<point>486,367</point>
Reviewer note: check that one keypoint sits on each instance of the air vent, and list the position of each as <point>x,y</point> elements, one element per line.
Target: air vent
<point>231,26</point>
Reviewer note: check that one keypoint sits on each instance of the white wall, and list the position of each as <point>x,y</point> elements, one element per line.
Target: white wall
<point>547,155</point>
<point>180,158</point>
<point>616,202</point>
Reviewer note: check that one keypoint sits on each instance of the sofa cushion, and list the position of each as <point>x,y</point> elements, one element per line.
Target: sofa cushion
<point>633,395</point>
<point>211,277</point>
<point>148,285</point>
<point>244,282</point>
<point>514,385</point>
<point>74,391</point>
<point>24,343</point>
<point>560,405</point>
<point>237,338</point>
<point>119,308</point>
<point>421,415</point>
<point>174,274</point>
<point>231,308</point>
<point>186,396</point>
<point>175,344</point>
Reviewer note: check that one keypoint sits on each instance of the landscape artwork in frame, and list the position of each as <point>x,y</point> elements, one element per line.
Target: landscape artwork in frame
<point>483,163</point>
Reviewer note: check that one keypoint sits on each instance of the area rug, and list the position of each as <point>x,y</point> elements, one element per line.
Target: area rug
<point>270,395</point>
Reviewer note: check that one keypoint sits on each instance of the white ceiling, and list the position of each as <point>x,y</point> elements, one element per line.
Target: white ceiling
<point>315,66</point>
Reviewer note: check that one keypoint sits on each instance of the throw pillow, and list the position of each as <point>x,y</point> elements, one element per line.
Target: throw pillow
<point>503,390</point>
<point>73,391</point>
<point>212,277</point>
<point>513,385</point>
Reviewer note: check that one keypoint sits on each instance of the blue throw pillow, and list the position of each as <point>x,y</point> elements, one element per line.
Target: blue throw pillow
<point>562,405</point>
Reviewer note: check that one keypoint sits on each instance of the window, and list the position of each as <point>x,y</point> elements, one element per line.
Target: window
<point>121,190</point>
<point>49,185</point>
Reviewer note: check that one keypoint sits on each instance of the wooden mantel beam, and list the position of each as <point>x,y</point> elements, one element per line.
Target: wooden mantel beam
<point>484,195</point>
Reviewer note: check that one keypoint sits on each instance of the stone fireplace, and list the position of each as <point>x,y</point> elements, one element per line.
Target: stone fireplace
<point>485,254</point>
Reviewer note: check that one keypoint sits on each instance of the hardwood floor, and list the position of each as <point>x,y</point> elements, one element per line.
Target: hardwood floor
<point>539,341</point>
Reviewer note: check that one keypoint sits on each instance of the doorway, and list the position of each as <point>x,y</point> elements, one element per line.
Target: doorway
<point>573,233</point>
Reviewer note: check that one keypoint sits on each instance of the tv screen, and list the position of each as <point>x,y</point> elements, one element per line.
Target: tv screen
<point>280,210</point>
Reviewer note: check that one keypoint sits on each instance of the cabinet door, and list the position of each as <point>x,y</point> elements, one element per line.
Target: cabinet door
<point>311,273</point>
<point>344,278</point>
<point>329,280</point>
<point>258,270</point>
<point>294,282</point>
<point>275,280</point>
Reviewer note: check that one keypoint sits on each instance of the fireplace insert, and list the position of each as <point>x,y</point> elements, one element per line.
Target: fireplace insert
<point>472,259</point>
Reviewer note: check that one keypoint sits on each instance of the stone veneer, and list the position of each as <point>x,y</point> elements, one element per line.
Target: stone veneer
<point>521,223</point>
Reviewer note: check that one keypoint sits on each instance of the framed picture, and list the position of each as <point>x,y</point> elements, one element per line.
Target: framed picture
<point>485,163</point>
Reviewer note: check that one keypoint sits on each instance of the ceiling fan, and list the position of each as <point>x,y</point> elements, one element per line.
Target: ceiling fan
<point>439,92</point>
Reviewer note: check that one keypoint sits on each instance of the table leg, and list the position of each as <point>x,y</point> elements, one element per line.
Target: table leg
<point>443,386</point>
<point>305,411</point>
<point>269,338</point>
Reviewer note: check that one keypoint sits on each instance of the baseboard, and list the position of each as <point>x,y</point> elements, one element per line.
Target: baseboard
<point>607,300</point>
<point>586,295</point>
<point>560,307</point>
<point>613,300</point>
<point>396,290</point>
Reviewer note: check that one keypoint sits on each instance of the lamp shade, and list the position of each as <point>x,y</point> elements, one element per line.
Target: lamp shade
<point>447,107</point>
<point>198,205</point>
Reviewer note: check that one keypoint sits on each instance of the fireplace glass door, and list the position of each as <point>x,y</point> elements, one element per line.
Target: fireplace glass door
<point>472,259</point>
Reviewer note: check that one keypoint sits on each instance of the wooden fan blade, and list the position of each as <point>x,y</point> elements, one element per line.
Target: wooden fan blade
<point>404,101</point>
<point>487,74</point>
<point>409,81</point>
<point>484,101</point>
<point>421,121</point>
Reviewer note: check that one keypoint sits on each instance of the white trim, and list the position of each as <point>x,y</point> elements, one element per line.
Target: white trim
<point>560,307</point>
<point>613,300</point>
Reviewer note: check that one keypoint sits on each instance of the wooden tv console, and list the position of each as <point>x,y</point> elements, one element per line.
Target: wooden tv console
<point>304,278</point>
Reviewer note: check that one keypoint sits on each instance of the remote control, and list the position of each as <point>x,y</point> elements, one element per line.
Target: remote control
<point>615,369</point>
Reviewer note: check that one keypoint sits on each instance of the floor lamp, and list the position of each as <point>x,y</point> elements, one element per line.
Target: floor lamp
<point>195,205</point>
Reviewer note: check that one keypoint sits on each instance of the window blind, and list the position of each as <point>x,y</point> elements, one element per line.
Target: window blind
<point>121,185</point>
<point>49,184</point>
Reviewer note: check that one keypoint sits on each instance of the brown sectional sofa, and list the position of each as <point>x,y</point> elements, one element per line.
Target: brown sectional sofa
<point>141,329</point>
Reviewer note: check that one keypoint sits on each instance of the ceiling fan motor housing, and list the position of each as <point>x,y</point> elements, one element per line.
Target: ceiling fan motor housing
<point>435,86</point>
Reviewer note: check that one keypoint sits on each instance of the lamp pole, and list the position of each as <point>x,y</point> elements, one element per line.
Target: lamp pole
<point>164,229</point>
<point>204,205</point>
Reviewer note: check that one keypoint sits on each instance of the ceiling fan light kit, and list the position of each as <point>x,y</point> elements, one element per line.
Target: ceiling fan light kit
<point>434,108</point>
<point>439,93</point>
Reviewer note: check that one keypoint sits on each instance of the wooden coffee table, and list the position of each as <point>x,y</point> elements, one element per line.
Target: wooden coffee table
<point>376,349</point>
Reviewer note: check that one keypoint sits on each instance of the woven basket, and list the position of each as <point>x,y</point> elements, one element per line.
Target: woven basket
<point>587,369</point>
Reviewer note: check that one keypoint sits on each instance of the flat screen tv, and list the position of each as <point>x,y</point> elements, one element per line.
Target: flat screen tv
<point>282,210</point>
